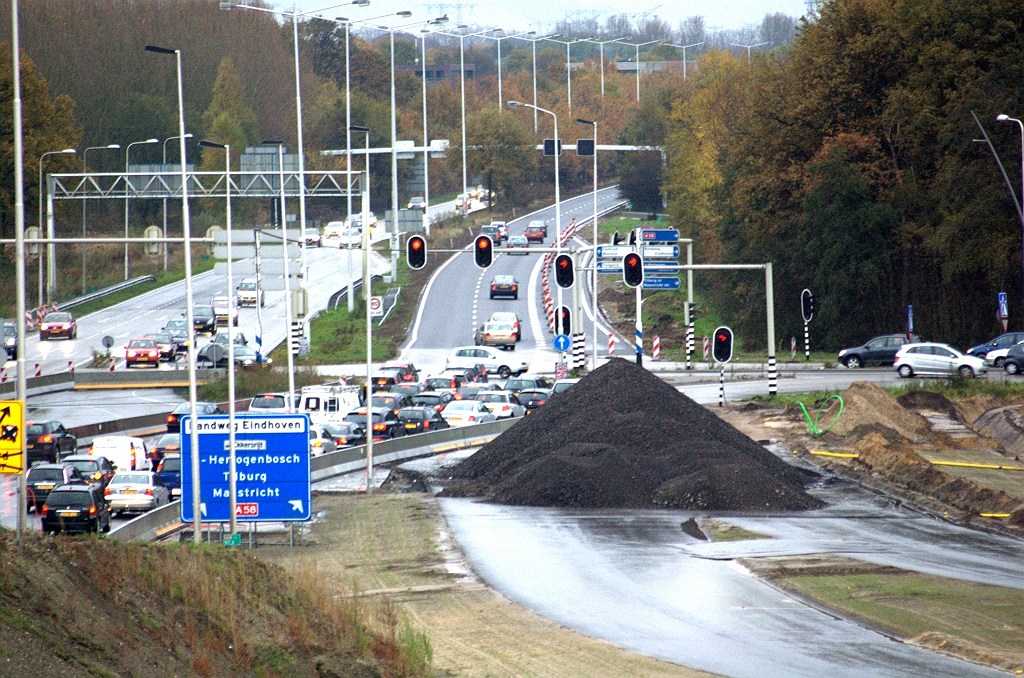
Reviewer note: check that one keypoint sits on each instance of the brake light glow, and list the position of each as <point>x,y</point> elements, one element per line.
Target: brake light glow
<point>149,491</point>
<point>472,417</point>
<point>540,402</point>
<point>494,287</point>
<point>106,492</point>
<point>380,427</point>
<point>426,424</point>
<point>46,510</point>
<point>92,510</point>
<point>515,287</point>
<point>171,419</point>
<point>46,438</point>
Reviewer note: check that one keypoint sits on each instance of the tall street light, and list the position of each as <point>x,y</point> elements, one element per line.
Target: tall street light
<point>426,138</point>
<point>127,187</point>
<point>186,229</point>
<point>498,40</point>
<point>85,169</point>
<point>369,320</point>
<point>684,48</point>
<point>636,47</point>
<point>568,67</point>
<point>601,44</point>
<point>21,388</point>
<point>49,230</point>
<point>287,275</point>
<point>162,166</point>
<point>593,363</point>
<point>534,42</point>
<point>558,201</point>
<point>1002,117</point>
<point>232,489</point>
<point>748,48</point>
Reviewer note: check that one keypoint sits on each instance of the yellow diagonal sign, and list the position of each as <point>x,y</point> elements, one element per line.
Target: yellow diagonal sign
<point>12,432</point>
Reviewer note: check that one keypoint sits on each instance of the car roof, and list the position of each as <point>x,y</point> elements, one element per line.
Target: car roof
<point>504,278</point>
<point>57,465</point>
<point>72,488</point>
<point>84,457</point>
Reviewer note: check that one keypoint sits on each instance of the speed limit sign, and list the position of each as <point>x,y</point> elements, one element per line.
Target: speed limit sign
<point>376,307</point>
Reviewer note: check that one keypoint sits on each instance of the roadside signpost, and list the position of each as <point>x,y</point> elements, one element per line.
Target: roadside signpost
<point>562,343</point>
<point>376,307</point>
<point>659,235</point>
<point>1004,310</point>
<point>613,251</point>
<point>660,283</point>
<point>807,309</point>
<point>273,481</point>
<point>659,252</point>
<point>12,433</point>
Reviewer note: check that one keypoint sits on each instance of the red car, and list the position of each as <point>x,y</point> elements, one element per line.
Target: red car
<point>142,351</point>
<point>406,372</point>
<point>58,324</point>
<point>535,233</point>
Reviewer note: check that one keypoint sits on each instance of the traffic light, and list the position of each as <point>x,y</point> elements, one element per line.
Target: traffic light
<point>416,252</point>
<point>616,239</point>
<point>563,270</point>
<point>563,320</point>
<point>549,147</point>
<point>633,269</point>
<point>584,147</point>
<point>807,305</point>
<point>632,237</point>
<point>693,311</point>
<point>483,251</point>
<point>721,348</point>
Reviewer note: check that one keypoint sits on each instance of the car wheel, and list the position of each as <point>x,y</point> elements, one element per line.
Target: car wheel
<point>504,372</point>
<point>1011,367</point>
<point>966,371</point>
<point>999,362</point>
<point>854,362</point>
<point>42,337</point>
<point>106,528</point>
<point>906,372</point>
<point>515,296</point>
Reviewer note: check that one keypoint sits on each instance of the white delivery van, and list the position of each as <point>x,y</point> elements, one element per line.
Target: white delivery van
<point>328,403</point>
<point>124,452</point>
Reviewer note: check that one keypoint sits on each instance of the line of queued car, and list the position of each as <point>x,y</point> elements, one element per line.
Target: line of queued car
<point>911,357</point>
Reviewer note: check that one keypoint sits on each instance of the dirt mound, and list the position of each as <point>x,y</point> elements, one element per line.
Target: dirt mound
<point>1005,425</point>
<point>622,437</point>
<point>865,403</point>
<point>975,406</point>
<point>928,401</point>
<point>899,464</point>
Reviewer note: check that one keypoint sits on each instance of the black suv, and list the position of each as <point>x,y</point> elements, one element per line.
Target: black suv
<point>879,351</point>
<point>42,478</point>
<point>1013,363</point>
<point>204,319</point>
<point>48,441</point>
<point>76,508</point>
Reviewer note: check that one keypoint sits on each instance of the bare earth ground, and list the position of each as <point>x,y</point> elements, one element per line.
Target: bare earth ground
<point>398,547</point>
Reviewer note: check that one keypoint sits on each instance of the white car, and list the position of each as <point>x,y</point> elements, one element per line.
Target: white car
<point>333,229</point>
<point>356,221</point>
<point>136,491</point>
<point>938,360</point>
<point>273,403</point>
<point>320,441</point>
<point>493,360</point>
<point>248,293</point>
<point>466,413</point>
<point>502,404</point>
<point>508,317</point>
<point>563,385</point>
<point>225,310</point>
<point>350,237</point>
<point>997,356</point>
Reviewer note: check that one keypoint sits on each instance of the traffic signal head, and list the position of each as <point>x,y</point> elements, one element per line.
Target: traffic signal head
<point>550,147</point>
<point>584,147</point>
<point>633,269</point>
<point>416,252</point>
<point>721,348</point>
<point>563,270</point>
<point>563,320</point>
<point>483,251</point>
<point>807,305</point>
<point>616,239</point>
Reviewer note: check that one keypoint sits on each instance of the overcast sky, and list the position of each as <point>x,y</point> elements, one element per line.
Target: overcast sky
<point>541,15</point>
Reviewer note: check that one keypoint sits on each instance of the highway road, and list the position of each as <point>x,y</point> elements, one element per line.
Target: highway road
<point>457,300</point>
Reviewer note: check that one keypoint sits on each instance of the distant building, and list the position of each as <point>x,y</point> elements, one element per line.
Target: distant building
<point>440,72</point>
<point>652,66</point>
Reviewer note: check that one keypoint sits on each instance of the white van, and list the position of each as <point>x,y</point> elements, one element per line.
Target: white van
<point>328,403</point>
<point>124,452</point>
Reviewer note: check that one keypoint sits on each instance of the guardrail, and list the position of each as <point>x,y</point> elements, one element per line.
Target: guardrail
<point>138,378</point>
<point>149,526</point>
<point>47,383</point>
<point>98,294</point>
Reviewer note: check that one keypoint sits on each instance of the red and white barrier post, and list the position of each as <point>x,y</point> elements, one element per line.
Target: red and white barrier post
<point>611,344</point>
<point>657,347</point>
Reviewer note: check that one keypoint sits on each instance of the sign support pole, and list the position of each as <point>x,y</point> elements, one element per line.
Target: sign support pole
<point>689,300</point>
<point>721,386</point>
<point>369,325</point>
<point>639,328</point>
<point>769,289</point>
<point>807,342</point>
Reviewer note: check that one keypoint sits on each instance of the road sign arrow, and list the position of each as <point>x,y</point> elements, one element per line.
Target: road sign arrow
<point>296,505</point>
<point>4,413</point>
<point>202,509</point>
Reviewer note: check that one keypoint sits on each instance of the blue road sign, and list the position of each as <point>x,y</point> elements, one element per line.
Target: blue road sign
<point>661,283</point>
<point>610,266</point>
<point>1004,308</point>
<point>273,480</point>
<point>655,266</point>
<point>562,342</point>
<point>613,251</point>
<point>659,235</point>
<point>659,251</point>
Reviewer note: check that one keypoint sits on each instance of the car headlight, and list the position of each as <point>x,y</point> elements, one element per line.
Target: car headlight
<point>9,341</point>
<point>843,352</point>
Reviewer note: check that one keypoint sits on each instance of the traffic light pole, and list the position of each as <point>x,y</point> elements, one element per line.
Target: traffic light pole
<point>690,320</point>
<point>639,328</point>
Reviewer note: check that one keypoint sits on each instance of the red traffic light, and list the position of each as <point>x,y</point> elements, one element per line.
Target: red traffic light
<point>633,269</point>
<point>564,275</point>
<point>416,252</point>
<point>483,251</point>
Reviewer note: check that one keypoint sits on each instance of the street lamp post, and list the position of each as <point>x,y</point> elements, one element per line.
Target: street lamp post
<point>287,276</point>
<point>186,229</point>
<point>84,202</point>
<point>162,167</point>
<point>49,230</point>
<point>498,40</point>
<point>127,186</point>
<point>558,201</point>
<point>568,67</point>
<point>748,48</point>
<point>232,488</point>
<point>601,44</point>
<point>684,48</point>
<point>593,123</point>
<point>636,47</point>
<point>369,320</point>
<point>1005,118</point>
<point>534,42</point>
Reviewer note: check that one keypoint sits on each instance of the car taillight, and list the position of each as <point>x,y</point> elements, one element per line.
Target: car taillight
<point>380,427</point>
<point>149,491</point>
<point>494,287</point>
<point>514,287</point>
<point>438,408</point>
<point>487,335</point>
<point>46,439</point>
<point>540,402</point>
<point>472,417</point>
<point>426,424</point>
<point>46,510</point>
<point>341,441</point>
<point>106,491</point>
<point>92,510</point>
<point>171,419</point>
<point>458,396</point>
<point>504,408</point>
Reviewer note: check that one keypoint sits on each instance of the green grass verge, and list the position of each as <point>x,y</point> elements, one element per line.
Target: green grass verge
<point>251,382</point>
<point>136,290</point>
<point>721,531</point>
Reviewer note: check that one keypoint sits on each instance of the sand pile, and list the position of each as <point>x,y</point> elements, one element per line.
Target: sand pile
<point>973,407</point>
<point>621,437</point>
<point>869,405</point>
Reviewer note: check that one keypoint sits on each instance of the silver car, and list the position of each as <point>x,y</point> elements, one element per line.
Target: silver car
<point>936,360</point>
<point>502,404</point>
<point>466,413</point>
<point>136,491</point>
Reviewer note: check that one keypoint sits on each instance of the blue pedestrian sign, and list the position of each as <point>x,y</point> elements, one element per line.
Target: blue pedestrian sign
<point>562,342</point>
<point>1004,308</point>
<point>659,235</point>
<point>652,283</point>
<point>272,474</point>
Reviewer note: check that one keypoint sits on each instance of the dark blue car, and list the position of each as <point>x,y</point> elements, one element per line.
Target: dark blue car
<point>1002,341</point>
<point>169,471</point>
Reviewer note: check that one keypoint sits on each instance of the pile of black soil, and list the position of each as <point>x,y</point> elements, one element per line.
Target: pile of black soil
<point>623,438</point>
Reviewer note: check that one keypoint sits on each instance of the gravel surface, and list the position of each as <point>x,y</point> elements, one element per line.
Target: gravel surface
<point>622,437</point>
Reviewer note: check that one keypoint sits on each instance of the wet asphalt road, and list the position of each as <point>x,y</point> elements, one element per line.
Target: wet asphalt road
<point>633,578</point>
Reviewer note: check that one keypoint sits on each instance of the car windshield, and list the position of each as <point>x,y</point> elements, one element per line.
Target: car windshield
<point>10,331</point>
<point>173,464</point>
<point>57,318</point>
<point>383,401</point>
<point>36,429</point>
<point>519,239</point>
<point>130,479</point>
<point>141,343</point>
<point>169,439</point>
<point>411,415</point>
<point>462,406</point>
<point>176,325</point>
<point>268,402</point>
<point>498,327</point>
<point>358,417</point>
<point>517,384</point>
<point>493,397</point>
<point>69,498</point>
<point>439,383</point>
<point>161,338</point>
<point>247,287</point>
<point>532,395</point>
<point>37,474</point>
<point>347,429</point>
<point>183,408</point>
<point>86,465</point>
<point>426,400</point>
